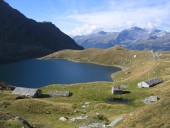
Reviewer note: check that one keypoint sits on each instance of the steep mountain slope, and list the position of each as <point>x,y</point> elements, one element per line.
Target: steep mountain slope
<point>23,37</point>
<point>133,38</point>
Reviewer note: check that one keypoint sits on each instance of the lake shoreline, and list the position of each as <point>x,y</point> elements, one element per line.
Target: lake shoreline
<point>117,66</point>
<point>122,68</point>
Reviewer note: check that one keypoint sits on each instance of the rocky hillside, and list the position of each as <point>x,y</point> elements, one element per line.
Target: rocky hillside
<point>133,38</point>
<point>23,37</point>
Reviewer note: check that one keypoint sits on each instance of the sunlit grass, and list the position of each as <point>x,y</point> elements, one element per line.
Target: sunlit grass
<point>45,112</point>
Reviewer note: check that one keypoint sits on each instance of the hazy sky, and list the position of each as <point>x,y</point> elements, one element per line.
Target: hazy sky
<point>76,17</point>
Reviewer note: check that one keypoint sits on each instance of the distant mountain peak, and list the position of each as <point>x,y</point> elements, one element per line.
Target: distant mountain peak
<point>136,28</point>
<point>102,32</point>
<point>132,38</point>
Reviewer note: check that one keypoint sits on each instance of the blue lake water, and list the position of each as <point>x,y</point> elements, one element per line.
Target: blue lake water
<point>38,73</point>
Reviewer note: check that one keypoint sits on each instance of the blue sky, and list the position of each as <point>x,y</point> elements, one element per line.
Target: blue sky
<point>77,17</point>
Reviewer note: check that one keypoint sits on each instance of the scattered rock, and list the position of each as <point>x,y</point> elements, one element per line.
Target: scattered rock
<point>150,99</point>
<point>48,112</point>
<point>84,106</point>
<point>75,111</point>
<point>127,72</point>
<point>97,113</point>
<point>87,103</point>
<point>79,118</point>
<point>62,118</point>
<point>84,111</point>
<point>115,121</point>
<point>23,121</point>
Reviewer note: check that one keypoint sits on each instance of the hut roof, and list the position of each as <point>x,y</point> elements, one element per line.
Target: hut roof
<point>116,87</point>
<point>60,93</point>
<point>25,91</point>
<point>153,81</point>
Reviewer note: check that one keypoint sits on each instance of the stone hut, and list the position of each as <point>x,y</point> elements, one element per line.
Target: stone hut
<point>117,90</point>
<point>149,83</point>
<point>60,93</point>
<point>150,99</point>
<point>30,92</point>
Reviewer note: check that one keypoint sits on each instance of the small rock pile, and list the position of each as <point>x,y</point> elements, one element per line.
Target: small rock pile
<point>81,117</point>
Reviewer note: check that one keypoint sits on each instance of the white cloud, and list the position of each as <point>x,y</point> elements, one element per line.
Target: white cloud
<point>83,30</point>
<point>120,18</point>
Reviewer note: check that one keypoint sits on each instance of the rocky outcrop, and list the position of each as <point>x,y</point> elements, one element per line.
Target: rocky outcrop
<point>23,122</point>
<point>5,86</point>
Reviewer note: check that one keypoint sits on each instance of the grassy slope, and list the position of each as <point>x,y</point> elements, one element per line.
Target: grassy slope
<point>134,68</point>
<point>136,114</point>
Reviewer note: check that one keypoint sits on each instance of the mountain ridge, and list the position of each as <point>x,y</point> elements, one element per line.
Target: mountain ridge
<point>22,37</point>
<point>134,38</point>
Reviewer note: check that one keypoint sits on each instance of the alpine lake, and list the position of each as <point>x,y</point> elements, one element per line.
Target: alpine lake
<point>35,73</point>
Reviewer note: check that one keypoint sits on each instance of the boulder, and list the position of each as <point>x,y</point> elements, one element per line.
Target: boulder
<point>62,119</point>
<point>87,103</point>
<point>84,106</point>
